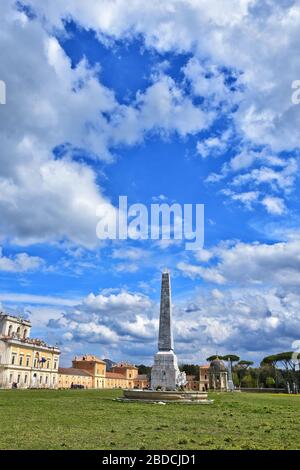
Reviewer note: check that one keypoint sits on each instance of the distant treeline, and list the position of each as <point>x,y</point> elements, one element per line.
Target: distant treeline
<point>275,371</point>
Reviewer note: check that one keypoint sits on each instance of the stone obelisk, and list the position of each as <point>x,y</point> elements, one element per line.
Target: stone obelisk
<point>165,373</point>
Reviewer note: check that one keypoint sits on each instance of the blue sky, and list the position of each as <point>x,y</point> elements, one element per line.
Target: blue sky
<point>159,103</point>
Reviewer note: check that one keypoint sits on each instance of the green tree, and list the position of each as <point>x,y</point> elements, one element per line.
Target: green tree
<point>247,381</point>
<point>235,379</point>
<point>270,382</point>
<point>190,369</point>
<point>144,370</point>
<point>212,358</point>
<point>231,357</point>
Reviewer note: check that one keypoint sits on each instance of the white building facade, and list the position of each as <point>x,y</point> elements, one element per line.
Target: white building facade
<point>25,362</point>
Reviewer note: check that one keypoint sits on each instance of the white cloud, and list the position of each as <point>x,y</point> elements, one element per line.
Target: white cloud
<point>17,298</point>
<point>43,198</point>
<point>247,198</point>
<point>214,146</point>
<point>251,263</point>
<point>279,180</point>
<point>222,32</point>
<point>163,108</point>
<point>209,274</point>
<point>20,263</point>
<point>107,319</point>
<point>129,253</point>
<point>274,205</point>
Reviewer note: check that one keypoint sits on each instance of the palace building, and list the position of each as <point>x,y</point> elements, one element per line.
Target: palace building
<point>25,362</point>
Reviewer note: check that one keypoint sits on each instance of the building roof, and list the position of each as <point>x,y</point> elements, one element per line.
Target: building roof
<point>16,319</point>
<point>114,375</point>
<point>73,371</point>
<point>88,358</point>
<point>124,365</point>
<point>30,343</point>
<point>206,366</point>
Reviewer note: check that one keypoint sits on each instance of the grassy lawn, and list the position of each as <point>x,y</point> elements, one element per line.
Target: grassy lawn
<point>90,419</point>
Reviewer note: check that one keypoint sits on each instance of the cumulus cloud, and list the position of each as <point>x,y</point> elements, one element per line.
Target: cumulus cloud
<point>20,263</point>
<point>46,197</point>
<point>162,108</point>
<point>247,321</point>
<point>214,146</point>
<point>107,319</point>
<point>224,69</point>
<point>251,263</point>
<point>223,32</point>
<point>274,205</point>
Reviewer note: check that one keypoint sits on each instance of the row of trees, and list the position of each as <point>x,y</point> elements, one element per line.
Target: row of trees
<point>275,371</point>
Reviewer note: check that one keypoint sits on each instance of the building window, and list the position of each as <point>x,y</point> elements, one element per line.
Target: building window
<point>27,361</point>
<point>18,331</point>
<point>55,364</point>
<point>25,334</point>
<point>9,330</point>
<point>48,364</point>
<point>46,380</point>
<point>21,360</point>
<point>25,379</point>
<point>10,378</point>
<point>13,358</point>
<point>19,378</point>
<point>41,379</point>
<point>35,362</point>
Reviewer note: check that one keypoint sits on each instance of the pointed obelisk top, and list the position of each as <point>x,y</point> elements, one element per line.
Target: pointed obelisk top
<point>165,337</point>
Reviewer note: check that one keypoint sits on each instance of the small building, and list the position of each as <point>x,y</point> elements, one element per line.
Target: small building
<point>69,377</point>
<point>218,376</point>
<point>95,366</point>
<point>25,362</point>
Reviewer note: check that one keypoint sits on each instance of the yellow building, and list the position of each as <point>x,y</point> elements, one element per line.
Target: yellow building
<point>69,377</point>
<point>25,362</point>
<point>95,366</point>
<point>115,380</point>
<point>129,373</point>
<point>122,375</point>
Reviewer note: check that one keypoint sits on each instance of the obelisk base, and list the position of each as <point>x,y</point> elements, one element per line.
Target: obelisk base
<point>165,372</point>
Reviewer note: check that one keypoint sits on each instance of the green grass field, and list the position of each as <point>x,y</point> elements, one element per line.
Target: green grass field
<point>90,419</point>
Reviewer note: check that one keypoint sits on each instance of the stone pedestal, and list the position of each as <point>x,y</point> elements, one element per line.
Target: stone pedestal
<point>165,372</point>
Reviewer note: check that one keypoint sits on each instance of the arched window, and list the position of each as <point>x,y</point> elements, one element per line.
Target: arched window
<point>9,330</point>
<point>25,334</point>
<point>18,331</point>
